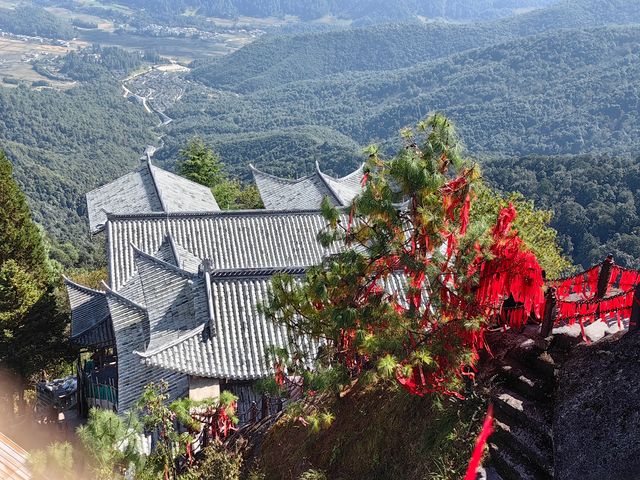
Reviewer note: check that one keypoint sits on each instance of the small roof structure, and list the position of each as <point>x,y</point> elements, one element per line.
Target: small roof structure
<point>13,460</point>
<point>207,324</point>
<point>90,319</point>
<point>186,279</point>
<point>307,192</point>
<point>145,190</point>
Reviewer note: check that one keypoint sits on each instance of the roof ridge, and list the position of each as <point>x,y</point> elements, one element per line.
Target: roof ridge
<point>255,272</point>
<point>218,213</point>
<point>328,185</point>
<point>172,343</point>
<point>109,292</point>
<point>255,170</point>
<point>349,175</point>
<point>172,244</point>
<point>150,167</point>
<point>162,263</point>
<point>82,288</point>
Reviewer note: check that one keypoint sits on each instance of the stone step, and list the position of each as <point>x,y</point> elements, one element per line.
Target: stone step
<point>511,466</point>
<point>527,443</point>
<point>488,473</point>
<point>525,381</point>
<point>534,358</point>
<point>528,413</point>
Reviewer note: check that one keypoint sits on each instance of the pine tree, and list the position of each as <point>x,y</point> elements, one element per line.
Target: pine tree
<point>425,270</point>
<point>32,325</point>
<point>199,163</point>
<point>20,238</point>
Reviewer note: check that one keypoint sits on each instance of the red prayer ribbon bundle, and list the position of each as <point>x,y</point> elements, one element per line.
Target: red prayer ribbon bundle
<point>514,271</point>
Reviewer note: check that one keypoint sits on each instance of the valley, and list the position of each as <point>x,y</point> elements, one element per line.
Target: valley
<point>283,91</point>
<point>319,239</point>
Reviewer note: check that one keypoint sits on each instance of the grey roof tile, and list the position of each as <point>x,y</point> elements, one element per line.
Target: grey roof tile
<point>231,240</point>
<point>89,315</point>
<point>236,345</point>
<point>171,298</point>
<point>148,189</point>
<point>307,192</point>
<point>178,194</point>
<point>131,327</point>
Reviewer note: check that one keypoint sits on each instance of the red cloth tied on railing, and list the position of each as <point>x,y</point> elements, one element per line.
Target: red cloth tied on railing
<point>628,279</point>
<point>617,307</point>
<point>513,316</point>
<point>567,311</point>
<point>584,284</point>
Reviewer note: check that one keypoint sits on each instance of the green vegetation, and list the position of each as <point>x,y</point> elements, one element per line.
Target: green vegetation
<point>63,144</point>
<point>272,61</point>
<point>34,21</point>
<point>33,335</point>
<point>555,81</point>
<point>529,90</point>
<point>53,463</point>
<point>97,62</point>
<point>381,432</point>
<point>199,163</point>
<point>596,200</point>
<point>359,10</point>
<point>453,232</point>
<point>110,443</point>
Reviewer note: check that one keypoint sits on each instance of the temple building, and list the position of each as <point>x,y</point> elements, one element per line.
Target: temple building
<point>307,193</point>
<point>185,280</point>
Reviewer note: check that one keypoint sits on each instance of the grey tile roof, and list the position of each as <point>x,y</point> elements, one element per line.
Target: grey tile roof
<point>99,336</point>
<point>307,192</point>
<point>345,188</point>
<point>90,325</point>
<point>148,189</point>
<point>231,240</point>
<point>235,347</point>
<point>175,300</point>
<point>131,327</point>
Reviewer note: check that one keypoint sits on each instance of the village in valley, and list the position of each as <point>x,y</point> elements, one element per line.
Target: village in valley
<point>262,241</point>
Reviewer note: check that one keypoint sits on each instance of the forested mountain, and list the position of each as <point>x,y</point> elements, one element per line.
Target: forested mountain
<point>63,144</point>
<point>357,10</point>
<point>30,20</point>
<point>561,80</point>
<point>274,60</point>
<point>561,92</point>
<point>596,200</point>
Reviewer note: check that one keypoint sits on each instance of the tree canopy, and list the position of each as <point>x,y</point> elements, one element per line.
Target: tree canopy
<point>32,326</point>
<point>430,256</point>
<point>199,163</point>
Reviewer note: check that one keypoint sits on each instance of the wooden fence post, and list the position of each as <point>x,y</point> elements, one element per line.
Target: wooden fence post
<point>549,312</point>
<point>604,276</point>
<point>634,320</point>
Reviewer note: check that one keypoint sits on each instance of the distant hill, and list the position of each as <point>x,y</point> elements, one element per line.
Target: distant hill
<point>561,92</point>
<point>63,144</point>
<point>34,21</point>
<point>569,92</point>
<point>561,80</point>
<point>362,11</point>
<point>596,199</point>
<point>274,60</point>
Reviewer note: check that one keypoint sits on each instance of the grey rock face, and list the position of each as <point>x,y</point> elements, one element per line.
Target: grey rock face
<point>596,427</point>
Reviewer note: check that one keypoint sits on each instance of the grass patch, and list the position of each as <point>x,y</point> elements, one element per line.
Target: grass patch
<point>378,433</point>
